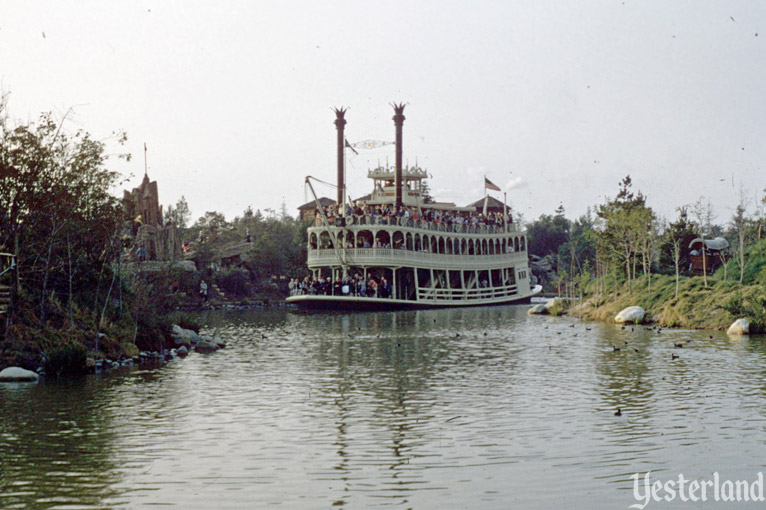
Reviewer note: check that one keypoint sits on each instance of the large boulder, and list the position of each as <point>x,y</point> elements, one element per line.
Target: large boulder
<point>18,374</point>
<point>538,309</point>
<point>183,336</point>
<point>739,327</point>
<point>630,315</point>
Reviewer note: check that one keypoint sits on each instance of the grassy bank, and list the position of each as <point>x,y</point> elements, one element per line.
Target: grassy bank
<point>697,306</point>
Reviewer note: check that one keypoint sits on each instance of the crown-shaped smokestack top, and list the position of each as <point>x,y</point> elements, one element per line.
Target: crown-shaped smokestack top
<point>340,123</point>
<point>398,122</point>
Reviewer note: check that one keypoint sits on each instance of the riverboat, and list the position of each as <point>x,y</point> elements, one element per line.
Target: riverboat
<point>397,249</point>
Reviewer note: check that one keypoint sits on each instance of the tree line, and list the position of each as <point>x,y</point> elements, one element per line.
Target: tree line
<point>624,239</point>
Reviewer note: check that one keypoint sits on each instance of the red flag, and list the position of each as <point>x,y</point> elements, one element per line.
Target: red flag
<point>350,147</point>
<point>144,146</point>
<point>490,185</point>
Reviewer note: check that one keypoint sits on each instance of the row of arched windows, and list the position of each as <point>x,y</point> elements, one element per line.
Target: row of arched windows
<point>429,243</point>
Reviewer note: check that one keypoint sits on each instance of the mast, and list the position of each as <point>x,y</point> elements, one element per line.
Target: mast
<point>398,122</point>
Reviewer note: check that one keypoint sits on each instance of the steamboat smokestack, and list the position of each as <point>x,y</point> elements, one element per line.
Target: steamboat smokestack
<point>340,123</point>
<point>398,121</point>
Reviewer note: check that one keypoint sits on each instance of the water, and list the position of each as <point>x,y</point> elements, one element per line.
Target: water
<point>475,408</point>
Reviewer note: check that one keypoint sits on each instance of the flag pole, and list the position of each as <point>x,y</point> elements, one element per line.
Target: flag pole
<point>146,167</point>
<point>505,211</point>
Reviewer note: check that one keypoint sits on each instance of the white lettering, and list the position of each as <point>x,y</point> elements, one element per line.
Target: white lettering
<point>671,492</point>
<point>694,486</point>
<point>743,488</point>
<point>716,487</point>
<point>727,491</point>
<point>681,487</point>
<point>685,489</point>
<point>705,485</point>
<point>759,485</point>
<point>636,491</point>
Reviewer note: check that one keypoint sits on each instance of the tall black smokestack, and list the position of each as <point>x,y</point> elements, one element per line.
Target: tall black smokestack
<point>340,123</point>
<point>398,121</point>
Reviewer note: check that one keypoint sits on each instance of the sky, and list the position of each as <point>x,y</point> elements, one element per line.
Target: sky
<point>552,100</point>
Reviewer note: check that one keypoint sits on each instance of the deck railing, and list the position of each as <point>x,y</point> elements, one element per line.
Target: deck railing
<point>394,257</point>
<point>396,221</point>
<point>442,295</point>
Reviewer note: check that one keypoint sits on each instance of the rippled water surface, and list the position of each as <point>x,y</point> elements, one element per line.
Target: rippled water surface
<point>476,408</point>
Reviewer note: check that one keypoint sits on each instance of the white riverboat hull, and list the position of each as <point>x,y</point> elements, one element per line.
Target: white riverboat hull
<point>324,302</point>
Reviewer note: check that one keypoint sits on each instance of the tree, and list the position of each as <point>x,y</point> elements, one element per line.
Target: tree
<point>57,212</point>
<point>626,229</point>
<point>702,212</point>
<point>546,235</point>
<point>180,214</point>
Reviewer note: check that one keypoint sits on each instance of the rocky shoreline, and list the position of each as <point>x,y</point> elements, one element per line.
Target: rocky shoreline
<point>185,341</point>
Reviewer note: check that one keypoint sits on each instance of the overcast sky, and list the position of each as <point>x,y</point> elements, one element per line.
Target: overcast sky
<point>554,101</point>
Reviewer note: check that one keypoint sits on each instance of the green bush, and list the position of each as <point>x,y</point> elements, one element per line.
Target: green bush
<point>68,359</point>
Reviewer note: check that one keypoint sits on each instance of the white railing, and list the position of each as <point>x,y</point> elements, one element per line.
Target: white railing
<point>435,294</point>
<point>392,257</point>
<point>422,225</point>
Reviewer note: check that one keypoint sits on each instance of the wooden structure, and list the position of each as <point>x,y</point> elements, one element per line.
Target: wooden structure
<point>714,255</point>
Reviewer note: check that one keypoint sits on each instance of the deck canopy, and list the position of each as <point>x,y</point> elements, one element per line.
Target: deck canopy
<point>716,244</point>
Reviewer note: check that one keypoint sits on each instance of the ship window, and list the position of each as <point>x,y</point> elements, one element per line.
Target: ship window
<point>409,241</point>
<point>441,245</point>
<point>522,244</point>
<point>515,244</point>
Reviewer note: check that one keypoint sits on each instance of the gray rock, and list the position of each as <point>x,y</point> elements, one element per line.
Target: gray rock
<point>206,346</point>
<point>183,351</point>
<point>538,309</point>
<point>183,336</point>
<point>18,374</point>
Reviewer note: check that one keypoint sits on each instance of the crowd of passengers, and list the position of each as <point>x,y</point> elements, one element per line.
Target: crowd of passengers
<point>356,285</point>
<point>434,216</point>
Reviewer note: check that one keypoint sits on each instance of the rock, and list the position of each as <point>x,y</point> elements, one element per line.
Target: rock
<point>538,309</point>
<point>739,327</point>
<point>554,302</point>
<point>183,336</point>
<point>630,315</point>
<point>205,346</point>
<point>18,374</point>
<point>183,351</point>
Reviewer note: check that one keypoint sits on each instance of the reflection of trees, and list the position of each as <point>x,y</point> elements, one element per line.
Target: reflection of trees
<point>56,445</point>
<point>624,381</point>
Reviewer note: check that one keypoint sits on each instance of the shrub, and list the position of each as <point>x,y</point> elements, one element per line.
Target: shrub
<point>68,359</point>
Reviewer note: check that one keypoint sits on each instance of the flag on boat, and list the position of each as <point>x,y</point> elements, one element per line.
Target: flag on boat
<point>490,185</point>
<point>350,147</point>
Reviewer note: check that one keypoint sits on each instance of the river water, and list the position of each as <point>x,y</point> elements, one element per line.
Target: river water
<point>460,408</point>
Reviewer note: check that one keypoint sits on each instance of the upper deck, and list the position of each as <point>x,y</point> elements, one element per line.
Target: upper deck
<point>401,241</point>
